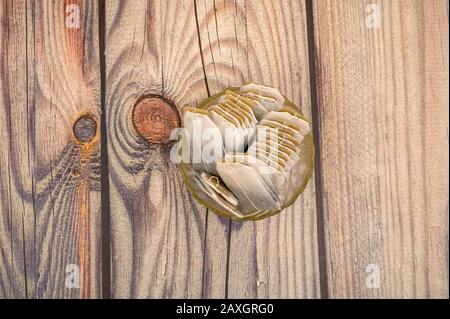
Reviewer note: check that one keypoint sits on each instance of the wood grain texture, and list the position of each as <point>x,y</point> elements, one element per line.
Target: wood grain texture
<point>16,212</point>
<point>266,42</point>
<point>383,112</point>
<point>157,230</point>
<point>49,199</point>
<point>382,119</point>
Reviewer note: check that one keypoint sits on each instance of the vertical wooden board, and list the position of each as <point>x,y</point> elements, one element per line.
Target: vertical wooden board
<point>383,111</point>
<point>16,211</point>
<point>157,230</point>
<point>65,84</point>
<point>266,42</point>
<point>50,206</point>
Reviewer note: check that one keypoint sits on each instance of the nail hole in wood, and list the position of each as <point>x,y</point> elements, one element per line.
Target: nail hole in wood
<point>85,128</point>
<point>154,118</point>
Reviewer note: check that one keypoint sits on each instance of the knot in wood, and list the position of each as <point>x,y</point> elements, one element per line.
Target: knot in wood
<point>85,128</point>
<point>154,118</point>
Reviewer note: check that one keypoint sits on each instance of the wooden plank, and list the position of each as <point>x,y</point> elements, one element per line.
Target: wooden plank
<point>157,230</point>
<point>266,42</point>
<point>49,200</point>
<point>16,212</point>
<point>383,112</point>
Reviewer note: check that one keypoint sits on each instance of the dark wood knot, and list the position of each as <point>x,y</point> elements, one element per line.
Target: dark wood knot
<point>154,118</point>
<point>85,128</point>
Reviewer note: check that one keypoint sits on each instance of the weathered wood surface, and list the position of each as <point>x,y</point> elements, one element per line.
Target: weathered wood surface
<point>157,230</point>
<point>379,104</point>
<point>264,41</point>
<point>163,244</point>
<point>49,193</point>
<point>383,116</point>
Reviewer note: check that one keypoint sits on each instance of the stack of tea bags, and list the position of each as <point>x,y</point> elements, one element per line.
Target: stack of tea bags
<point>258,143</point>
